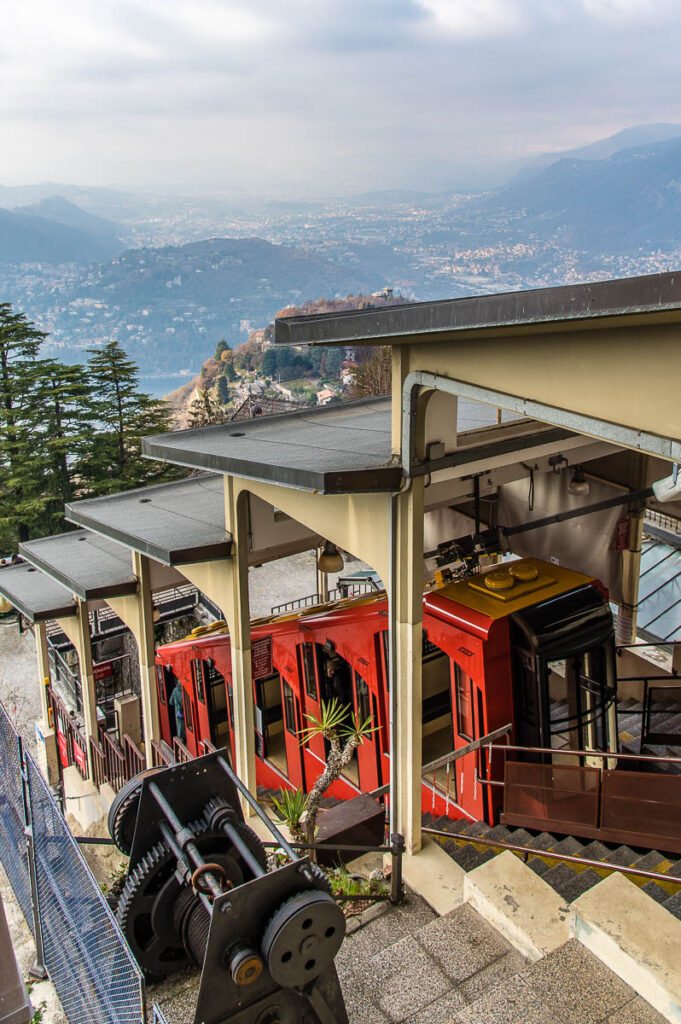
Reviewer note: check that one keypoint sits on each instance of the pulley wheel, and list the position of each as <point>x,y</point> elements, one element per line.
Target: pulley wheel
<point>123,811</point>
<point>302,938</point>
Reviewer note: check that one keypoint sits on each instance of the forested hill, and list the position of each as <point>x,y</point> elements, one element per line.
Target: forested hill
<point>169,305</point>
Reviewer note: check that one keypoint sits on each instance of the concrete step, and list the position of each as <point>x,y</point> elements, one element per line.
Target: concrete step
<point>519,904</point>
<point>637,938</point>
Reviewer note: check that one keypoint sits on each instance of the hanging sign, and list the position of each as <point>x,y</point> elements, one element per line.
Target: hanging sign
<point>79,755</point>
<point>104,670</point>
<point>261,657</point>
<point>621,534</point>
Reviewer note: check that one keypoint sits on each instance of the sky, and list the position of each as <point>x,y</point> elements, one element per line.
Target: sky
<point>322,97</point>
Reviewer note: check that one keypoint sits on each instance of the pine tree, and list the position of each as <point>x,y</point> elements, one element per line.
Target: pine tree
<point>222,346</point>
<point>21,498</point>
<point>63,437</point>
<point>120,415</point>
<point>222,391</point>
<point>205,410</point>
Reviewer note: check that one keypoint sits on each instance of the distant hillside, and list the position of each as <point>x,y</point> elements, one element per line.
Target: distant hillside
<point>168,306</point>
<point>57,209</point>
<point>630,200</point>
<point>602,149</point>
<point>25,238</point>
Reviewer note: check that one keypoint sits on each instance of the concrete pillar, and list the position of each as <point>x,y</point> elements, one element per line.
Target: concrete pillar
<point>238,619</point>
<point>137,612</point>
<point>77,629</point>
<point>43,667</point>
<point>407,622</point>
<point>322,579</point>
<point>631,570</point>
<point>226,583</point>
<point>46,737</point>
<point>400,369</point>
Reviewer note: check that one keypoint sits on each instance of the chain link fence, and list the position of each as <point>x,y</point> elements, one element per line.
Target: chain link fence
<point>13,848</point>
<point>83,950</point>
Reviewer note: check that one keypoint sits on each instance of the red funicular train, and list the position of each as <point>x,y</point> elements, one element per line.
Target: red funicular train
<point>525,643</point>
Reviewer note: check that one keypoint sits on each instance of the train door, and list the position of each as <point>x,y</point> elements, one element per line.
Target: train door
<point>190,723</point>
<point>270,734</point>
<point>213,721</point>
<point>469,725</point>
<point>369,751</point>
<point>166,718</point>
<point>311,675</point>
<point>203,724</point>
<point>292,730</point>
<point>564,682</point>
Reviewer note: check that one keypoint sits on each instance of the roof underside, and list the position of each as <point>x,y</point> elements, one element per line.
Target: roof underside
<point>334,449</point>
<point>35,594</point>
<point>176,523</point>
<point>86,564</point>
<point>541,308</point>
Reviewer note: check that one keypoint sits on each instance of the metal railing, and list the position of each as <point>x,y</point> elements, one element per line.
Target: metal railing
<point>78,940</point>
<point>181,750</point>
<point>162,754</point>
<point>335,594</point>
<point>667,522</point>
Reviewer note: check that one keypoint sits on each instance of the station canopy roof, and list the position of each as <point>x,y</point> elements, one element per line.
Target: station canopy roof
<point>628,300</point>
<point>35,594</point>
<point>659,599</point>
<point>174,523</point>
<point>336,449</point>
<point>87,565</point>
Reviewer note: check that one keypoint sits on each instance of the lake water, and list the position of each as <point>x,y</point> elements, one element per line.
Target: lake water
<point>159,385</point>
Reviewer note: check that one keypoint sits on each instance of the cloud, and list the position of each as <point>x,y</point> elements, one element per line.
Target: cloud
<point>322,95</point>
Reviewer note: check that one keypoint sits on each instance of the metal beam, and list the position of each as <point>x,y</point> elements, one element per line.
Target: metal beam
<point>625,437</point>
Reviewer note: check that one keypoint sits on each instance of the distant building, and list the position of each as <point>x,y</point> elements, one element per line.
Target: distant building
<point>325,395</point>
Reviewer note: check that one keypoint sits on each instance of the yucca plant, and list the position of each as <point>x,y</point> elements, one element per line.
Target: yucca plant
<point>290,807</point>
<point>344,733</point>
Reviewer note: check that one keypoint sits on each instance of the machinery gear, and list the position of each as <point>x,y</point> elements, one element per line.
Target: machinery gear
<point>123,811</point>
<point>302,938</point>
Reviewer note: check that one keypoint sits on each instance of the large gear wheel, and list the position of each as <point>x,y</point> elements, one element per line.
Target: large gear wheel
<point>302,938</point>
<point>156,929</point>
<point>156,956</point>
<point>123,811</point>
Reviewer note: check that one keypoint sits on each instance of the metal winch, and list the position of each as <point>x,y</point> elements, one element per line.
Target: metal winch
<point>198,892</point>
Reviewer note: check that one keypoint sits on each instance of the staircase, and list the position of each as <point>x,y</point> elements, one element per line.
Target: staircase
<point>567,879</point>
<point>665,717</point>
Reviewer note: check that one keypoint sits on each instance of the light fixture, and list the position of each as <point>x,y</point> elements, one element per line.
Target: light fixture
<point>330,559</point>
<point>579,483</point>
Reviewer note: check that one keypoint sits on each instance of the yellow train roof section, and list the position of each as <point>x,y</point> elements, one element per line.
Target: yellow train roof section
<point>512,586</point>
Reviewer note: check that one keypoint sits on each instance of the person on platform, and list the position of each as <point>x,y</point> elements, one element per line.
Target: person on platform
<point>175,702</point>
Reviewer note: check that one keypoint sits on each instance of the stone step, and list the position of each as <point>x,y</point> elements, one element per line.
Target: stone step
<point>519,904</point>
<point>637,938</point>
<point>569,883</point>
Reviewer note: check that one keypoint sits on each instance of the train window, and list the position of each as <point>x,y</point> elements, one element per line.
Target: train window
<point>306,654</point>
<point>289,710</point>
<point>464,703</point>
<point>188,716</point>
<point>160,682</point>
<point>363,699</point>
<point>197,675</point>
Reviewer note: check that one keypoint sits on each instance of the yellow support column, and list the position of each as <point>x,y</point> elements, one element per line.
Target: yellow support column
<point>43,668</point>
<point>137,612</point>
<point>407,623</point>
<point>77,629</point>
<point>238,620</point>
<point>226,583</point>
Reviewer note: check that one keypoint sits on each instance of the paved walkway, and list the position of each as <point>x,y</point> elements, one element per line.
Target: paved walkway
<point>412,967</point>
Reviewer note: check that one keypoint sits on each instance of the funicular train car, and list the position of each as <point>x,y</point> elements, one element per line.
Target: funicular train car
<point>526,643</point>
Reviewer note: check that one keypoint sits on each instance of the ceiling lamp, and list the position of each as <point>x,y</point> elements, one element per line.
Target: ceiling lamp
<point>330,559</point>
<point>579,483</point>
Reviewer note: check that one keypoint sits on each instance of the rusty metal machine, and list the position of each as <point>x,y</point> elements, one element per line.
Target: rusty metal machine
<point>198,892</point>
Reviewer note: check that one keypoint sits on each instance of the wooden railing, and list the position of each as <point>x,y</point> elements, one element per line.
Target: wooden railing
<point>162,754</point>
<point>181,752</point>
<point>135,761</point>
<point>97,763</point>
<point>114,761</point>
<point>207,747</point>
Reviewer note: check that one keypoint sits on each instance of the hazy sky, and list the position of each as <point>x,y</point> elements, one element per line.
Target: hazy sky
<point>322,96</point>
